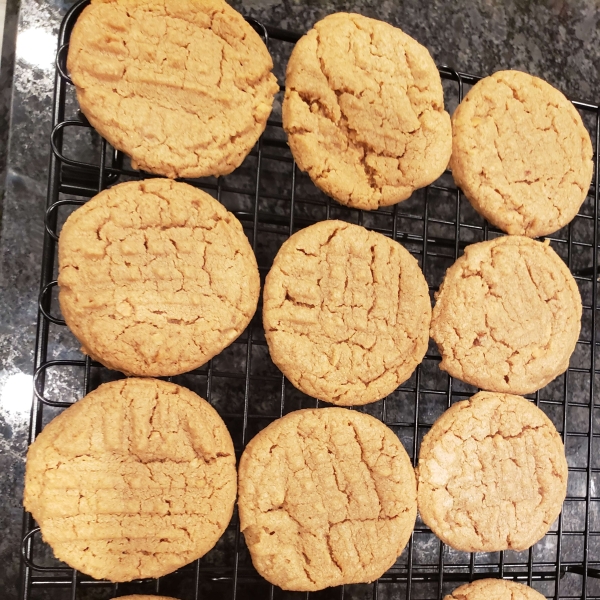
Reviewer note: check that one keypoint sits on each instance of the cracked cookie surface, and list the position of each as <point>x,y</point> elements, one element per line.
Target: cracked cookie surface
<point>183,88</point>
<point>507,316</point>
<point>494,589</point>
<point>492,474</point>
<point>135,480</point>
<point>156,277</point>
<point>346,313</point>
<point>521,154</point>
<point>364,111</point>
<point>326,497</point>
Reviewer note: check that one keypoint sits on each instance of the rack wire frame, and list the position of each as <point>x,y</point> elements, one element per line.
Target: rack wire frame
<point>424,570</point>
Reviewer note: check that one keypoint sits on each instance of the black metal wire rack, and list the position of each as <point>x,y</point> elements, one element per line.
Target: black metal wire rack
<point>272,199</point>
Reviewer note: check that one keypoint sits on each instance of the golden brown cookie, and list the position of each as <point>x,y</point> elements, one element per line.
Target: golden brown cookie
<point>184,88</point>
<point>326,497</point>
<point>521,154</point>
<point>145,597</point>
<point>364,111</point>
<point>507,316</point>
<point>346,313</point>
<point>156,277</point>
<point>492,474</point>
<point>494,589</point>
<point>135,480</point>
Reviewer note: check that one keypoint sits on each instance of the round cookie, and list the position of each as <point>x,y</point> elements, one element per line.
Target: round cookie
<point>135,480</point>
<point>492,474</point>
<point>326,497</point>
<point>507,316</point>
<point>156,277</point>
<point>494,589</point>
<point>521,154</point>
<point>364,111</point>
<point>183,88</point>
<point>346,313</point>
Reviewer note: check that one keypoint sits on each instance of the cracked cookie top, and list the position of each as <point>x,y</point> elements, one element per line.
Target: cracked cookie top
<point>494,589</point>
<point>346,313</point>
<point>521,154</point>
<point>492,474</point>
<point>135,480</point>
<point>183,88</point>
<point>364,111</point>
<point>507,316</point>
<point>326,497</point>
<point>156,277</point>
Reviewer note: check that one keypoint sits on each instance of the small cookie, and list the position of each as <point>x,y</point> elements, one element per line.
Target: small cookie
<point>183,88</point>
<point>326,497</point>
<point>135,480</point>
<point>521,154</point>
<point>364,111</point>
<point>507,316</point>
<point>156,277</point>
<point>145,597</point>
<point>492,474</point>
<point>494,589</point>
<point>346,313</point>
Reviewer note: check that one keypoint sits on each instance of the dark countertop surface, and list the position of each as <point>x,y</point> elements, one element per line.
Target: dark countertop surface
<point>558,40</point>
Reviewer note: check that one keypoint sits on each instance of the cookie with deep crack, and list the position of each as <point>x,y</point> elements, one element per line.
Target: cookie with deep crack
<point>135,480</point>
<point>183,88</point>
<point>364,111</point>
<point>492,474</point>
<point>521,154</point>
<point>346,313</point>
<point>494,589</point>
<point>326,497</point>
<point>507,316</point>
<point>156,277</point>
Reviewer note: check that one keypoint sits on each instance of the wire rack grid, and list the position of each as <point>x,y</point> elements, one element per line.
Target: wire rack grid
<point>272,199</point>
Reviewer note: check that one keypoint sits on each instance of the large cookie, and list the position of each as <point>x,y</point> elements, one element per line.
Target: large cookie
<point>135,480</point>
<point>494,589</point>
<point>184,88</point>
<point>364,111</point>
<point>156,277</point>
<point>521,154</point>
<point>507,316</point>
<point>326,497</point>
<point>492,474</point>
<point>346,313</point>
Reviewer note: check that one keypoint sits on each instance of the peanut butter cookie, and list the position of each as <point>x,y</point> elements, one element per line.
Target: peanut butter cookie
<point>492,474</point>
<point>183,88</point>
<point>326,497</point>
<point>364,111</point>
<point>135,480</point>
<point>494,589</point>
<point>156,277</point>
<point>507,316</point>
<point>145,597</point>
<point>521,154</point>
<point>346,313</point>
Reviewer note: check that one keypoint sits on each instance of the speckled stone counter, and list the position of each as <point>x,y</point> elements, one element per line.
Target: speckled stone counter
<point>558,40</point>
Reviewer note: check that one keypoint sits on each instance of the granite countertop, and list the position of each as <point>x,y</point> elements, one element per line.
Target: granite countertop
<point>558,40</point>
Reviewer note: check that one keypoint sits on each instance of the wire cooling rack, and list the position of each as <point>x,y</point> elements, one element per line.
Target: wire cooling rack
<point>272,199</point>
